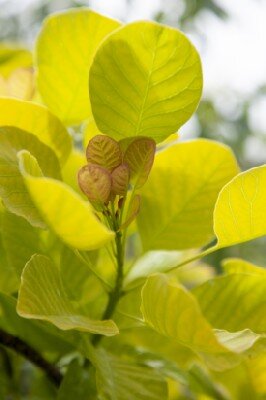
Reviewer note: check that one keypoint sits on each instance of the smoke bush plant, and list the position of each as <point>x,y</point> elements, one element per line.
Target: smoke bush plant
<point>102,286</point>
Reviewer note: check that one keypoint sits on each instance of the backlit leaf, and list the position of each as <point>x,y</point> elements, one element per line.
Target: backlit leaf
<point>178,199</point>
<point>63,64</point>
<point>120,180</point>
<point>95,182</point>
<point>64,211</point>
<point>12,58</point>
<point>42,296</point>
<point>145,80</point>
<point>139,156</point>
<point>12,187</point>
<point>236,265</point>
<point>234,302</point>
<point>239,213</point>
<point>174,312</point>
<point>104,151</point>
<point>39,121</point>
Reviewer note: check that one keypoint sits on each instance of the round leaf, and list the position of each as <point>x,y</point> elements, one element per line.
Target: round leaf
<point>145,80</point>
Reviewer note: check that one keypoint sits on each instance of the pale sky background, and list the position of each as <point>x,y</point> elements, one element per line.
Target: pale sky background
<point>233,51</point>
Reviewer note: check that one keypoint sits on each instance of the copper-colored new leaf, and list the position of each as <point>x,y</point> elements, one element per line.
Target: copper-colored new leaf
<point>133,211</point>
<point>120,180</point>
<point>104,151</point>
<point>95,182</point>
<point>139,157</point>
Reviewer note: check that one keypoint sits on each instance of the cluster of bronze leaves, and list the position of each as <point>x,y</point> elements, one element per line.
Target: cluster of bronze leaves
<point>114,167</point>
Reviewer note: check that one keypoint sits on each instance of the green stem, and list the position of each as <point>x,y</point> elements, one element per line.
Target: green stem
<point>194,258</point>
<point>115,294</point>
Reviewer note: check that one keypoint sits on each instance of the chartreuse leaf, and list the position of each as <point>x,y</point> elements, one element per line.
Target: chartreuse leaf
<point>219,348</point>
<point>239,213</point>
<point>20,241</point>
<point>20,84</point>
<point>42,296</point>
<point>76,384</point>
<point>39,121</point>
<point>145,80</point>
<point>12,188</point>
<point>119,380</point>
<point>63,210</point>
<point>12,58</point>
<point>75,161</point>
<point>234,302</point>
<point>179,197</point>
<point>9,282</point>
<point>236,265</point>
<point>63,64</point>
<point>36,333</point>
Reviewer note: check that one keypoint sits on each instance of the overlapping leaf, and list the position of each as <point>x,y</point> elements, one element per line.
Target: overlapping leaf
<point>63,64</point>
<point>239,213</point>
<point>63,210</point>
<point>234,302</point>
<point>39,121</point>
<point>12,187</point>
<point>42,296</point>
<point>120,380</point>
<point>179,197</point>
<point>145,80</point>
<point>12,58</point>
<point>172,311</point>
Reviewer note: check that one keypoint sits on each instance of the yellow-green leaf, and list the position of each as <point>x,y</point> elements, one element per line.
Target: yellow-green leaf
<point>145,80</point>
<point>12,58</point>
<point>235,265</point>
<point>63,210</point>
<point>75,161</point>
<point>119,379</point>
<point>63,63</point>
<point>239,213</point>
<point>42,296</point>
<point>39,121</point>
<point>234,302</point>
<point>172,311</point>
<point>20,240</point>
<point>12,188</point>
<point>178,199</point>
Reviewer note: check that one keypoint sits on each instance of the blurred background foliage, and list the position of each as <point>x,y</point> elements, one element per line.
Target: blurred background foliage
<point>225,115</point>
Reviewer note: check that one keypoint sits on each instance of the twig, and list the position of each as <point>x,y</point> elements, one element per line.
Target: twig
<point>21,347</point>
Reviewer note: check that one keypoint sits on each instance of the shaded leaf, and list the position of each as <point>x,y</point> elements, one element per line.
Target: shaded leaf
<point>63,210</point>
<point>42,296</point>
<point>12,188</point>
<point>21,241</point>
<point>120,380</point>
<point>39,121</point>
